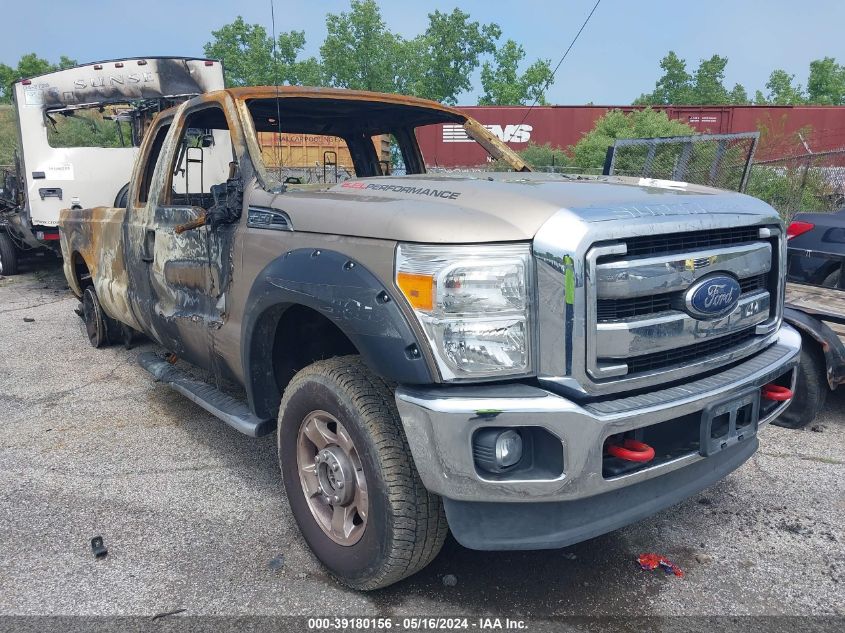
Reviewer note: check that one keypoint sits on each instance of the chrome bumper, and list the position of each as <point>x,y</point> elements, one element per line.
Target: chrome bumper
<point>439,424</point>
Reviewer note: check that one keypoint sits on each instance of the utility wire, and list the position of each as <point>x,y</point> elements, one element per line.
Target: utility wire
<point>554,72</point>
<point>279,150</point>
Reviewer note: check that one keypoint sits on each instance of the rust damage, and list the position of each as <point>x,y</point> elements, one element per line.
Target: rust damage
<point>95,237</point>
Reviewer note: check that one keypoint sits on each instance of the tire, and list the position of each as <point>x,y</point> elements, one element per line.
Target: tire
<point>8,256</point>
<point>832,280</point>
<point>810,389</point>
<point>121,200</point>
<point>405,525</point>
<point>96,322</point>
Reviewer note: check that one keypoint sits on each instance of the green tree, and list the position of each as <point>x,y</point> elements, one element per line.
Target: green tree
<point>782,89</point>
<point>673,86</point>
<point>739,95</point>
<point>705,86</point>
<point>8,135</point>
<point>708,82</point>
<point>247,54</point>
<point>590,151</point>
<point>826,83</point>
<point>448,53</point>
<point>29,65</point>
<point>292,70</point>
<point>545,155</point>
<point>361,53</point>
<point>503,84</point>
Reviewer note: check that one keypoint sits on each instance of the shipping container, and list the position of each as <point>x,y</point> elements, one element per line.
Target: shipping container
<point>313,151</point>
<point>784,130</point>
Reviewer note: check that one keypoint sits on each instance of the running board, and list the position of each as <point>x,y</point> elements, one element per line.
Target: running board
<point>232,411</point>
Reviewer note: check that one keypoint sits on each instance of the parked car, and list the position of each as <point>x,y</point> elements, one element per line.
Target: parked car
<point>528,360</point>
<point>815,305</point>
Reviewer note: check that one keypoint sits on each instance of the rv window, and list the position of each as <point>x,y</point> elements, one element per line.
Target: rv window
<point>94,127</point>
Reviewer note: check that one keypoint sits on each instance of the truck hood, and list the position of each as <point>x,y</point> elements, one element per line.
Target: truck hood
<point>499,206</point>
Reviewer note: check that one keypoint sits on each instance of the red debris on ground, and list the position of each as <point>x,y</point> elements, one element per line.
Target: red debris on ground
<point>650,562</point>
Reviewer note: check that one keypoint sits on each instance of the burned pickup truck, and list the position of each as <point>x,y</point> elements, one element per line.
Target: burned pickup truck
<point>528,360</point>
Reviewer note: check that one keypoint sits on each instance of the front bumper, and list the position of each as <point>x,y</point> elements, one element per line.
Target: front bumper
<point>440,423</point>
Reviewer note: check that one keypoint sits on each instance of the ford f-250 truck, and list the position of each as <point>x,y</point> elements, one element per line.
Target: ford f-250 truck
<point>527,360</point>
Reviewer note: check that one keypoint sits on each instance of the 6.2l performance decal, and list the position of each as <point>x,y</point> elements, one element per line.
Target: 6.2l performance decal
<point>419,191</point>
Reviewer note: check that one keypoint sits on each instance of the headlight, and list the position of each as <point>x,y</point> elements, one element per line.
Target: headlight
<point>473,303</point>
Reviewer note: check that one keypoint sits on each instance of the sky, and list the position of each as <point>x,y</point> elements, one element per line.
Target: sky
<point>614,61</point>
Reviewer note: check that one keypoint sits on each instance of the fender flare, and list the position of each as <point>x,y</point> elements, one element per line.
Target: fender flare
<point>347,294</point>
<point>818,331</point>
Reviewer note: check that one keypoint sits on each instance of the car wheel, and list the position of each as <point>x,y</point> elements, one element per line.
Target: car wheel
<point>96,321</point>
<point>832,280</point>
<point>810,388</point>
<point>350,478</point>
<point>8,256</point>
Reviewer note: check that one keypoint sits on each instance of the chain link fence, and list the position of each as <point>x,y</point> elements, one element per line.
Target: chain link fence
<point>810,182</point>
<point>718,160</point>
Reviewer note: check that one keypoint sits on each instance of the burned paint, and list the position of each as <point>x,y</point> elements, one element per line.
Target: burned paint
<point>158,268</point>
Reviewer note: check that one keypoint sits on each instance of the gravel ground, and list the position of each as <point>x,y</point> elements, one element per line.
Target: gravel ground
<point>194,516</point>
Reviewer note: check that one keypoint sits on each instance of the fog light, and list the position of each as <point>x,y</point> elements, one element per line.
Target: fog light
<point>496,450</point>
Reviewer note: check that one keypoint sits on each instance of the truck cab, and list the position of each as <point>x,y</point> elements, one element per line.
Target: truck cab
<point>526,360</point>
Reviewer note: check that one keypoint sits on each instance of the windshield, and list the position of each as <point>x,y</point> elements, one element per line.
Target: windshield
<point>307,140</point>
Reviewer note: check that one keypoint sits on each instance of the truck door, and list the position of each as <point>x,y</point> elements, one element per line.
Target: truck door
<point>181,277</point>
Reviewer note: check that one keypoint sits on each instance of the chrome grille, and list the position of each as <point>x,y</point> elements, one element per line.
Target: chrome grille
<point>689,241</point>
<point>610,309</point>
<point>638,321</point>
<point>660,360</point>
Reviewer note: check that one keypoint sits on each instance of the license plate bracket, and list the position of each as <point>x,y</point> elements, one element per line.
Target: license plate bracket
<point>729,422</point>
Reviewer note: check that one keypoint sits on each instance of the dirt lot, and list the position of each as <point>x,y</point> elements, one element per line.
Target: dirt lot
<point>194,516</point>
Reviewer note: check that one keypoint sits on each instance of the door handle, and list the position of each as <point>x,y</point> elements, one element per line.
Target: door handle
<point>148,249</point>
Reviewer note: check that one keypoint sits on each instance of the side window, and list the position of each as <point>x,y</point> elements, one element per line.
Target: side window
<point>204,159</point>
<point>150,164</point>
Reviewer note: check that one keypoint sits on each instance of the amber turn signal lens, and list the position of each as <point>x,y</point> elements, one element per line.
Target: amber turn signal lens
<point>418,289</point>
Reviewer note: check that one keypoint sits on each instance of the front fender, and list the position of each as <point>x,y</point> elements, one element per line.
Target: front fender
<point>346,293</point>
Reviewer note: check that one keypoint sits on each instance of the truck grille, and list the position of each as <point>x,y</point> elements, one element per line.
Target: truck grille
<point>692,240</point>
<point>610,309</point>
<point>650,362</point>
<point>636,309</point>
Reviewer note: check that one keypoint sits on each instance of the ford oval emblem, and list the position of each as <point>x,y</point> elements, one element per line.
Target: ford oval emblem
<point>713,296</point>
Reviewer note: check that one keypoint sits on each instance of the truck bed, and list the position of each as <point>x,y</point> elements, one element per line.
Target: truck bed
<point>826,304</point>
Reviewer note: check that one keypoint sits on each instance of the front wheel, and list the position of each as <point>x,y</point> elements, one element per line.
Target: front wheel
<point>350,478</point>
<point>810,388</point>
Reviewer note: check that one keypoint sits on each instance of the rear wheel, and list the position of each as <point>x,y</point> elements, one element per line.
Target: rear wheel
<point>810,388</point>
<point>96,322</point>
<point>8,255</point>
<point>350,478</point>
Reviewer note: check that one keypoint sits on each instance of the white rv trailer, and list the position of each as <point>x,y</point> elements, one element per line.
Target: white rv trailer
<point>57,167</point>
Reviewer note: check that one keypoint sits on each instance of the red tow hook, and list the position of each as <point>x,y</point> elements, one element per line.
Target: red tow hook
<point>632,451</point>
<point>776,393</point>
